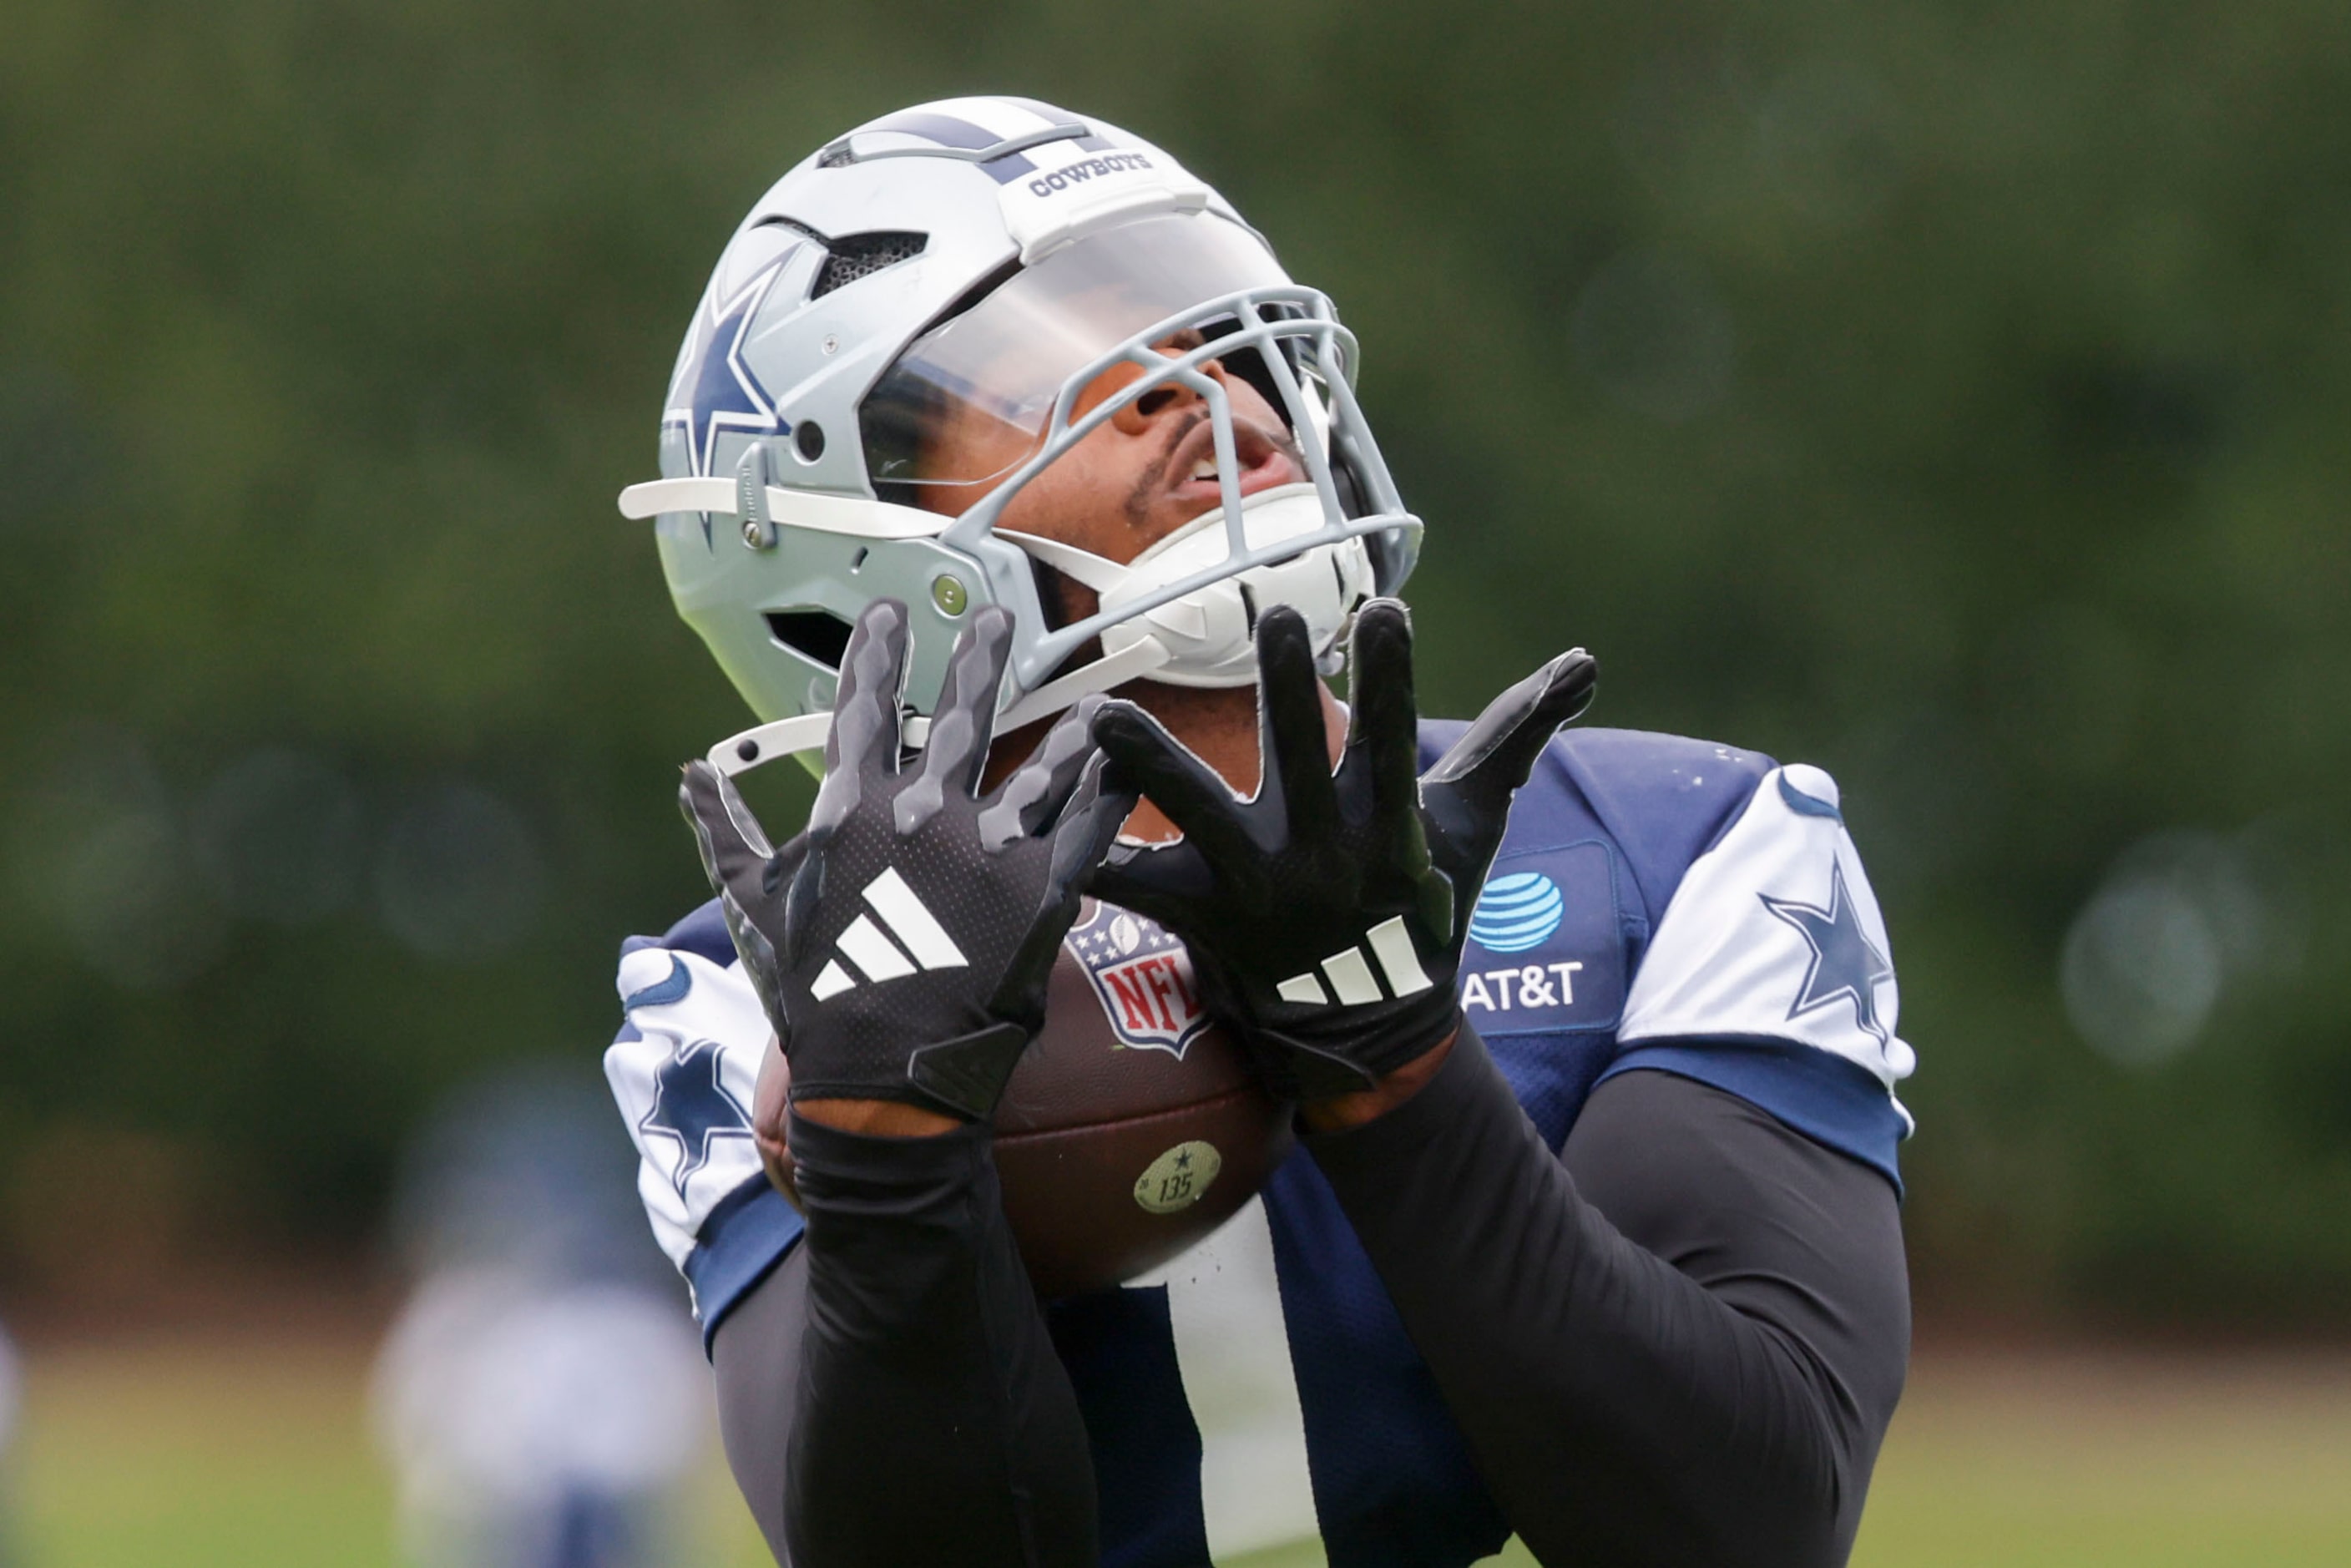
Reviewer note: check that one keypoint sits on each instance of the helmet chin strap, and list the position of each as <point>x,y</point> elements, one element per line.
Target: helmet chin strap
<point>1211,633</point>
<point>807,732</point>
<point>1204,639</point>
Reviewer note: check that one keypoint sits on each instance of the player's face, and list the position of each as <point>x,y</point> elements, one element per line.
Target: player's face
<point>1136,478</point>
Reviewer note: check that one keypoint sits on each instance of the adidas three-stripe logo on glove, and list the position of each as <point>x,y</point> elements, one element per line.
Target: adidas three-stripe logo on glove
<point>865,943</point>
<point>1325,917</point>
<point>1349,978</point>
<point>902,944</point>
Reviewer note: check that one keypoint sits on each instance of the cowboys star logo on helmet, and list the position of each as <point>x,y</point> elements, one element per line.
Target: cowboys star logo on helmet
<point>714,389</point>
<point>984,261</point>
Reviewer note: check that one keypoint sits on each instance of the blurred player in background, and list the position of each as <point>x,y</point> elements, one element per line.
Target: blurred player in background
<point>539,1396</point>
<point>12,1390</point>
<point>988,410</point>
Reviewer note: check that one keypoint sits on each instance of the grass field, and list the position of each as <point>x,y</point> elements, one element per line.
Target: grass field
<point>163,1454</point>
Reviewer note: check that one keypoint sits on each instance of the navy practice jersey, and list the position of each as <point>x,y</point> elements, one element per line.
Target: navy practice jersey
<point>1658,903</point>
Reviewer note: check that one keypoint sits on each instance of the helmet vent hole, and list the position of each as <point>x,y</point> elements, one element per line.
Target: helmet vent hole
<point>853,256</point>
<point>857,562</point>
<point>817,634</point>
<point>808,440</point>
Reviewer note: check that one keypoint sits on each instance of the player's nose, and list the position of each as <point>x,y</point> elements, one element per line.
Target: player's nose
<point>1169,398</point>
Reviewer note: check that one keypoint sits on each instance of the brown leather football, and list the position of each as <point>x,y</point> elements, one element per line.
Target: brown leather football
<point>1131,1127</point>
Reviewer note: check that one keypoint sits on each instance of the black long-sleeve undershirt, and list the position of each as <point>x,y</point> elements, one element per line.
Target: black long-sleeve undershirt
<point>1678,1342</point>
<point>928,1419</point>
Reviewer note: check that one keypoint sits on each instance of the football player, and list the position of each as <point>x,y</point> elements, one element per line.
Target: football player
<point>1593,1236</point>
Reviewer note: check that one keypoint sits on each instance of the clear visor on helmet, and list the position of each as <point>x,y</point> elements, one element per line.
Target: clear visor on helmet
<point>971,399</point>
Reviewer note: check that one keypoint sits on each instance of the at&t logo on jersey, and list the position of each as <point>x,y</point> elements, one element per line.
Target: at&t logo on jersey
<point>1526,986</point>
<point>1517,911</point>
<point>1143,976</point>
<point>1544,949</point>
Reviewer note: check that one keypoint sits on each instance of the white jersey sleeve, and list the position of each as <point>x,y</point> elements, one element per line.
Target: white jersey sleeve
<point>684,1071</point>
<point>1774,936</point>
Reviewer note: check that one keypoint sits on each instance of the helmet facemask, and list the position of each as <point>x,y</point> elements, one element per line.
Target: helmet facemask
<point>1020,362</point>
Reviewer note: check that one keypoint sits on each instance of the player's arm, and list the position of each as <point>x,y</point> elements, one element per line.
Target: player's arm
<point>929,1420</point>
<point>887,1393</point>
<point>1678,1343</point>
<point>1706,1385</point>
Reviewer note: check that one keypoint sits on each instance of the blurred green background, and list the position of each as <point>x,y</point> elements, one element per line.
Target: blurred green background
<point>1950,394</point>
<point>256,1455</point>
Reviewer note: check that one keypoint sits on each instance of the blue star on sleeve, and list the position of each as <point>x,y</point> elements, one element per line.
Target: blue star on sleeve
<point>692,1109</point>
<point>1844,963</point>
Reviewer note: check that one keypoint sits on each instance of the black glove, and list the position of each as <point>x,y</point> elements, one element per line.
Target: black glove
<point>902,944</point>
<point>1325,917</point>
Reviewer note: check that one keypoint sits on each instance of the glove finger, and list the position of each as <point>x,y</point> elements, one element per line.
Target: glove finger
<point>735,849</point>
<point>1294,746</point>
<point>864,714</point>
<point>1085,830</point>
<point>960,727</point>
<point>1159,882</point>
<point>1193,796</point>
<point>783,865</point>
<point>803,895</point>
<point>1384,730</point>
<point>1098,804</point>
<point>1487,764</point>
<point>1039,787</point>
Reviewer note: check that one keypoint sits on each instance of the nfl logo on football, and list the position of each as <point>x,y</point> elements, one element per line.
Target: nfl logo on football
<point>1143,978</point>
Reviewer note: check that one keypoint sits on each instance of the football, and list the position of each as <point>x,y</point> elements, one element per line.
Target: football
<point>1134,1125</point>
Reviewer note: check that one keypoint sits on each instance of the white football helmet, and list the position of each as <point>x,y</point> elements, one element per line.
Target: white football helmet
<point>989,259</point>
